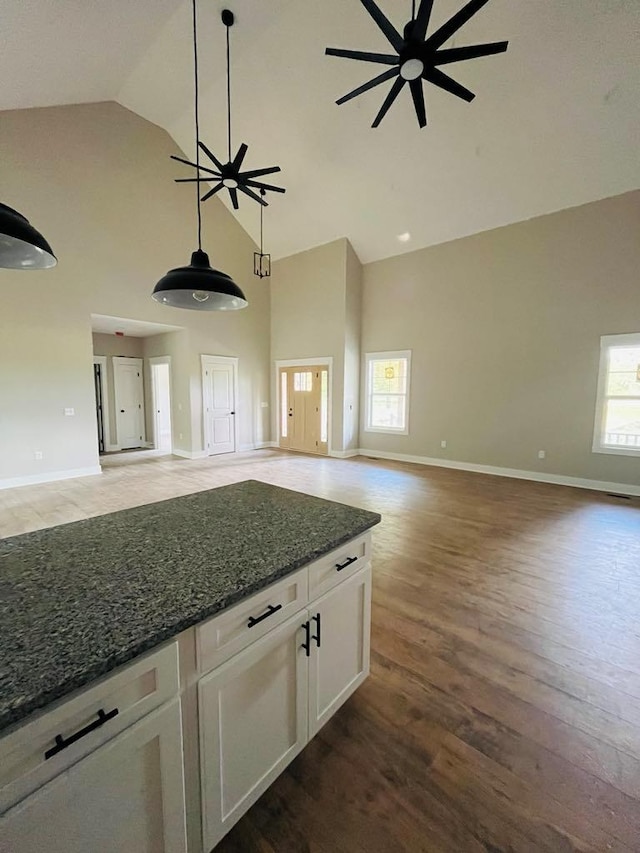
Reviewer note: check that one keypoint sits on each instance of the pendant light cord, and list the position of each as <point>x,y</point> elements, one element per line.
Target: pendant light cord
<point>413,12</point>
<point>197,116</point>
<point>228,94</point>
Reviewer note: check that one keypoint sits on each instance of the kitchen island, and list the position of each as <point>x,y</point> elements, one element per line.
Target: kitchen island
<point>198,642</point>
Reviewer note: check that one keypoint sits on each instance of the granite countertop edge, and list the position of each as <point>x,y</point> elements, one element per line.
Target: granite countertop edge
<point>20,713</point>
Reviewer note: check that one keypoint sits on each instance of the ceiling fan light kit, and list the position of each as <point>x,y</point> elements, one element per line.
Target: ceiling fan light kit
<point>417,56</point>
<point>229,175</point>
<point>21,246</point>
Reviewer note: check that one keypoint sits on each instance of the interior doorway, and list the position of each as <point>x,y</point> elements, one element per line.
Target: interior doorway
<point>219,396</point>
<point>304,408</point>
<point>129,399</point>
<point>161,402</point>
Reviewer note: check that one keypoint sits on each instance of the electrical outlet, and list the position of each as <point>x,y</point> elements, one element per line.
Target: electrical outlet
<point>542,454</point>
<point>38,454</point>
<point>264,405</point>
<point>180,436</point>
<point>443,445</point>
<point>69,412</point>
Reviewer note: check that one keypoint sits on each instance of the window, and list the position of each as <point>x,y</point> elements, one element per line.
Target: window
<point>387,391</point>
<point>617,428</point>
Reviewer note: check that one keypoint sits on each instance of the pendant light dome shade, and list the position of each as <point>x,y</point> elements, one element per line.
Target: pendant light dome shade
<point>21,246</point>
<point>199,287</point>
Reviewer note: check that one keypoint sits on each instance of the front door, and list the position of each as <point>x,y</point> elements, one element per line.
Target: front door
<point>218,383</point>
<point>304,408</point>
<point>129,397</point>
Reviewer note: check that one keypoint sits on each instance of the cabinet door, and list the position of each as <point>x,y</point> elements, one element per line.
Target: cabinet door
<point>253,721</point>
<point>127,797</point>
<point>339,662</point>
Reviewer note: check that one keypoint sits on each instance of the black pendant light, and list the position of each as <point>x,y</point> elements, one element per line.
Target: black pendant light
<point>21,246</point>
<point>198,286</point>
<point>261,262</point>
<point>229,175</point>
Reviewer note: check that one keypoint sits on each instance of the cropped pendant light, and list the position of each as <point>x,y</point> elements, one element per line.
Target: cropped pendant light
<point>198,286</point>
<point>261,262</point>
<point>21,246</point>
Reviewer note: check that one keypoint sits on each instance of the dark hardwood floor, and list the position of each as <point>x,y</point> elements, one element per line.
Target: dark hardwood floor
<point>503,708</point>
<point>502,714</point>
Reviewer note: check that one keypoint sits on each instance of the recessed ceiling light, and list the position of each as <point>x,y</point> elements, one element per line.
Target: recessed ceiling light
<point>404,238</point>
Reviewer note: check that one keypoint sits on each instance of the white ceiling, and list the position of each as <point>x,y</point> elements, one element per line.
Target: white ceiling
<point>555,123</point>
<point>104,325</point>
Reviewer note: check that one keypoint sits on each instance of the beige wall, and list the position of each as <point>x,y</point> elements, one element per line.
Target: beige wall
<point>505,330</point>
<point>353,317</point>
<point>308,316</point>
<point>98,182</point>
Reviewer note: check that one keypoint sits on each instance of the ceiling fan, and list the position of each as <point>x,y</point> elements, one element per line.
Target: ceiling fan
<point>229,175</point>
<point>418,57</point>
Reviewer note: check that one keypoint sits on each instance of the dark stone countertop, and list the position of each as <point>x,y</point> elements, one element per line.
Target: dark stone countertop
<point>79,600</point>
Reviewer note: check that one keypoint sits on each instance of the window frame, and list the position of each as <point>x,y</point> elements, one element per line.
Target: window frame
<point>607,343</point>
<point>370,357</point>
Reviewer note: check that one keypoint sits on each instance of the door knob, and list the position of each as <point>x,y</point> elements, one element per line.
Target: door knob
<point>122,411</point>
<point>232,413</point>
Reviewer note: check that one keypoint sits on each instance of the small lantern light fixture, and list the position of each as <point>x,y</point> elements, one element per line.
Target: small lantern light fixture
<point>261,262</point>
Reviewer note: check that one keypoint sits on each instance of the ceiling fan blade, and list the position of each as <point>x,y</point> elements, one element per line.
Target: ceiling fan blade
<point>453,24</point>
<point>381,78</point>
<point>393,94</point>
<point>417,93</point>
<point>439,78</point>
<point>459,54</point>
<point>211,156</point>
<point>256,173</point>
<point>422,20</point>
<point>193,180</point>
<point>233,192</point>
<point>213,191</point>
<point>252,195</point>
<point>392,35</point>
<point>195,165</point>
<point>261,186</point>
<point>381,58</point>
<point>242,151</point>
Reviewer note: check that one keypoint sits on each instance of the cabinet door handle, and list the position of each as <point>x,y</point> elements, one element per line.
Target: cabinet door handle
<point>61,743</point>
<point>316,636</point>
<point>307,641</point>
<point>273,608</point>
<point>341,566</point>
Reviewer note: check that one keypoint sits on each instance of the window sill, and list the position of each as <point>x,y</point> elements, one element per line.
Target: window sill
<point>617,451</point>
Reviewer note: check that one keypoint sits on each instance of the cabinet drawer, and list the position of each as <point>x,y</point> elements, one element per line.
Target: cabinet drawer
<point>234,629</point>
<point>338,565</point>
<point>133,690</point>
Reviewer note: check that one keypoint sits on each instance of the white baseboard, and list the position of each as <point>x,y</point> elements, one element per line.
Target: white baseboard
<point>50,477</point>
<point>345,454</point>
<point>514,473</point>
<point>113,448</point>
<point>188,454</point>
<point>258,445</point>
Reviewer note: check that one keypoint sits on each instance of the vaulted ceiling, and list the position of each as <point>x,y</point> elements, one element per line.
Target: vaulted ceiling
<point>555,124</point>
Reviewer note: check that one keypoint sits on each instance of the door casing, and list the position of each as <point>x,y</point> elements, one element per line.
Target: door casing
<point>161,359</point>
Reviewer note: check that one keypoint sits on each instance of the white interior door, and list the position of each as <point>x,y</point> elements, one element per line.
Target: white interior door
<point>161,387</point>
<point>129,397</point>
<point>219,403</point>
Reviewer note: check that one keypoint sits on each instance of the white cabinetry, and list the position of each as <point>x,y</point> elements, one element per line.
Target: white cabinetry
<point>253,722</point>
<point>260,708</point>
<point>126,797</point>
